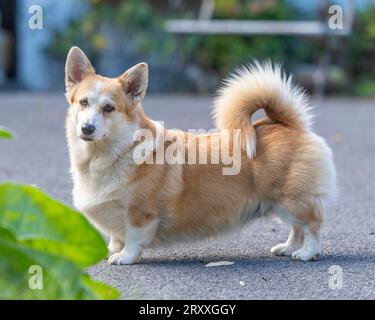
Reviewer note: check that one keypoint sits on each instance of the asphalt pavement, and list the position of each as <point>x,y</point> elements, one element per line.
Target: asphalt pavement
<point>39,156</point>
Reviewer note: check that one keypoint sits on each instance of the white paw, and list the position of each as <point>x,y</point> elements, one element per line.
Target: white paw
<point>283,249</point>
<point>305,255</point>
<point>122,258</point>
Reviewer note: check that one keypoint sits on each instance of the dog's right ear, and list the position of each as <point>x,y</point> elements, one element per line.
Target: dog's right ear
<point>77,67</point>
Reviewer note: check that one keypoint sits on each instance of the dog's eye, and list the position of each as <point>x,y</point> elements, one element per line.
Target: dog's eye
<point>83,102</point>
<point>108,108</point>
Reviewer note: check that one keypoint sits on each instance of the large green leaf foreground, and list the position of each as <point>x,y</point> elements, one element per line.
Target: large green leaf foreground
<point>40,233</point>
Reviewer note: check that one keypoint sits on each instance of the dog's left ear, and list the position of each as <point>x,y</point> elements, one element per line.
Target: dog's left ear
<point>134,82</point>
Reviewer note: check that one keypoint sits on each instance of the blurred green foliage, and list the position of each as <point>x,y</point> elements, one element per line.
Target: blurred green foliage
<point>222,53</point>
<point>135,19</point>
<point>37,231</point>
<point>141,22</point>
<point>362,51</point>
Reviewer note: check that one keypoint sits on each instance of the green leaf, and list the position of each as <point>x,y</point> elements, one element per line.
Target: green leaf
<point>101,290</point>
<point>59,278</point>
<point>6,235</point>
<point>44,224</point>
<point>5,134</point>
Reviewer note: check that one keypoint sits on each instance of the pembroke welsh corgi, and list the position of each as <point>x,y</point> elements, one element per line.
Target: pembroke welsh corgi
<point>143,185</point>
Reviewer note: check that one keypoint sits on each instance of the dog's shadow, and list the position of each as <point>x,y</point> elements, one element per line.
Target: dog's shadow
<point>260,262</point>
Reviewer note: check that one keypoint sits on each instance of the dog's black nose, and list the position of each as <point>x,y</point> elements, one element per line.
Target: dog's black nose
<point>87,129</point>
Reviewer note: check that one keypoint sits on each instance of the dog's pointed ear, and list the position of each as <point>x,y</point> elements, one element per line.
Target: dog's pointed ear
<point>134,82</point>
<point>77,67</point>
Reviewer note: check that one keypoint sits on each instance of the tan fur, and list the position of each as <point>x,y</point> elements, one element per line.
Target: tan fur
<point>290,174</point>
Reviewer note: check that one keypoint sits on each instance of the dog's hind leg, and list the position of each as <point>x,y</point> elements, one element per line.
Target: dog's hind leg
<point>294,242</point>
<point>304,241</point>
<point>310,249</point>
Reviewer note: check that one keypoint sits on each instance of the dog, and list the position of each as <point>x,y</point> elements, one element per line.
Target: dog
<point>285,169</point>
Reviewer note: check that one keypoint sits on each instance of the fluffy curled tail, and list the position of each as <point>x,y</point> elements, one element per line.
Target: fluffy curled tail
<point>259,86</point>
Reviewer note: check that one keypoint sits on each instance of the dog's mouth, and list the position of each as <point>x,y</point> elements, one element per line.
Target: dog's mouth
<point>87,138</point>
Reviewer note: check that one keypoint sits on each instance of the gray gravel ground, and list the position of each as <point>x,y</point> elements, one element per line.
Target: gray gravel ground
<point>39,156</point>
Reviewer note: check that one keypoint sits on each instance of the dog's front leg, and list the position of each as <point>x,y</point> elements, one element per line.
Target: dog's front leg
<point>136,238</point>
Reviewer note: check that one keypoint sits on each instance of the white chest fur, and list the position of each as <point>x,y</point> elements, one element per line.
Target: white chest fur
<point>100,178</point>
<point>103,197</point>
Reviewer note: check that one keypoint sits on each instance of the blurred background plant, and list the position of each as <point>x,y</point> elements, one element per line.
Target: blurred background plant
<point>361,50</point>
<point>222,53</point>
<point>119,33</point>
<point>116,31</point>
<point>140,29</point>
<point>217,55</point>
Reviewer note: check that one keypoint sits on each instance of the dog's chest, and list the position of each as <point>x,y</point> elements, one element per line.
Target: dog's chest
<point>97,190</point>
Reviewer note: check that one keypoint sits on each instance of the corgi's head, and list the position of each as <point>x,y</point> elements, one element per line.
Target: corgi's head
<point>100,106</point>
